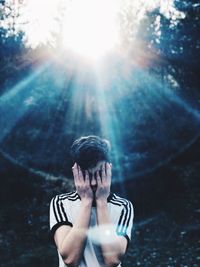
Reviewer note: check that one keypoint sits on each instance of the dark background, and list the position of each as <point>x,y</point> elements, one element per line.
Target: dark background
<point>150,115</point>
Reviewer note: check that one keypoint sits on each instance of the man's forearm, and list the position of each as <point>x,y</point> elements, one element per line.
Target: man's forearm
<point>72,246</point>
<point>113,250</point>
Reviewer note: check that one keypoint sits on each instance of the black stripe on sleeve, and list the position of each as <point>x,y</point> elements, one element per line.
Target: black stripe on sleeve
<point>59,209</point>
<point>123,217</point>
<point>63,211</point>
<point>114,202</point>
<point>71,197</point>
<point>54,209</point>
<point>66,195</point>
<point>130,214</point>
<point>126,219</point>
<point>119,222</point>
<point>120,200</point>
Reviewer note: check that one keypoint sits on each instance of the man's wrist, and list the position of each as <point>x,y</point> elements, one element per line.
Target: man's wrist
<point>101,202</point>
<point>86,201</point>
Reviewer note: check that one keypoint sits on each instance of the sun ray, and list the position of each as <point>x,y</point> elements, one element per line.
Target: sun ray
<point>14,103</point>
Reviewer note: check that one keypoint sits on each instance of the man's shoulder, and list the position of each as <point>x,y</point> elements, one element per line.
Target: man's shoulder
<point>118,200</point>
<point>73,195</point>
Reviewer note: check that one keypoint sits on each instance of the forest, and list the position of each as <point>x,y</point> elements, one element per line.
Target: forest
<point>68,69</point>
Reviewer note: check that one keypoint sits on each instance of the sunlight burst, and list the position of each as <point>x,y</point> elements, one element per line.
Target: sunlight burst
<point>90,27</point>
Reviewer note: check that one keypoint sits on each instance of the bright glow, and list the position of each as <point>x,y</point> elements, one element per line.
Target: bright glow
<point>90,27</point>
<point>40,23</point>
<point>103,234</point>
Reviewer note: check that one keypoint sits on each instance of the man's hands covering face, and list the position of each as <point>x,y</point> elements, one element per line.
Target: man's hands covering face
<point>103,182</point>
<point>82,184</point>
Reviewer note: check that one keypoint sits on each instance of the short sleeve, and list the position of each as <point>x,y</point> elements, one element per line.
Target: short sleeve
<point>58,214</point>
<point>125,222</point>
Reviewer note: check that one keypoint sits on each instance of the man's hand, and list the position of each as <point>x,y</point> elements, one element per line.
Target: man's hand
<point>103,182</point>
<point>82,185</point>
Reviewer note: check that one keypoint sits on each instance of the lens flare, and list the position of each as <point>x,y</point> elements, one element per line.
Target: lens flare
<point>103,234</point>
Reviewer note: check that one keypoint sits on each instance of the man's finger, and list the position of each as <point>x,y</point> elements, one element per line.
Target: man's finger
<point>87,180</point>
<point>98,178</point>
<point>75,170</point>
<point>109,171</point>
<point>103,172</point>
<point>74,165</point>
<point>80,174</point>
<point>75,173</point>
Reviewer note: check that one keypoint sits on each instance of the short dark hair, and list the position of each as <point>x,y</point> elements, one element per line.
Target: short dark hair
<point>87,151</point>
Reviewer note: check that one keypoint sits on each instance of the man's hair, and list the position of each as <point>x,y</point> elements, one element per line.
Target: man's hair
<point>87,151</point>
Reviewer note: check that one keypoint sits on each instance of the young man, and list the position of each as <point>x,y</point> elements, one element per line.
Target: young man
<point>91,226</point>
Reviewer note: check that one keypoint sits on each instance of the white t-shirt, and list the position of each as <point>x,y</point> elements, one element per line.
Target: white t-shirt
<point>64,210</point>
